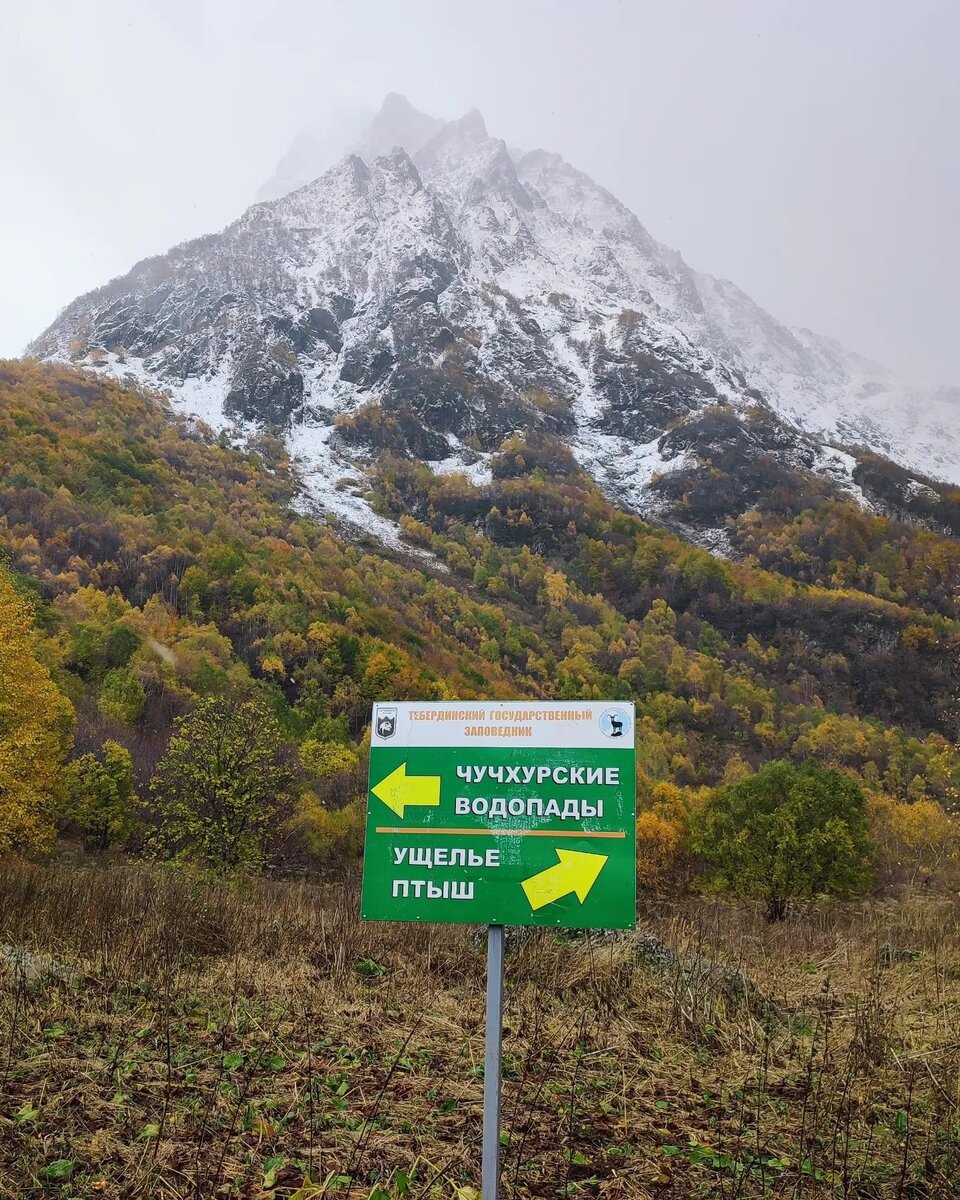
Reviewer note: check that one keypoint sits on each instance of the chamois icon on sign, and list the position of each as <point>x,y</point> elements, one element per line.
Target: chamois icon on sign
<point>386,722</point>
<point>614,722</point>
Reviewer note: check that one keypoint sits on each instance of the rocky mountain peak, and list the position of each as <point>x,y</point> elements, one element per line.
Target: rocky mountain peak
<point>397,123</point>
<point>400,166</point>
<point>453,140</point>
<point>472,124</point>
<point>577,197</point>
<point>435,298</point>
<point>315,149</point>
<point>396,107</point>
<point>469,167</point>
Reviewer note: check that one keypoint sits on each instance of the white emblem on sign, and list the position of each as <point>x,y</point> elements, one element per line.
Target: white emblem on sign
<point>386,722</point>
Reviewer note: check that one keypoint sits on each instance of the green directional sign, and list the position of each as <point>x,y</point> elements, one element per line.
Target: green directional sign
<point>502,813</point>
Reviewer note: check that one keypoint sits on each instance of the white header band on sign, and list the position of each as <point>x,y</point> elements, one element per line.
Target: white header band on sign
<point>573,724</point>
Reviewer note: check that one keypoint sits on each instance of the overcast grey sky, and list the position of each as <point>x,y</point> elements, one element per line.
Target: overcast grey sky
<point>805,149</point>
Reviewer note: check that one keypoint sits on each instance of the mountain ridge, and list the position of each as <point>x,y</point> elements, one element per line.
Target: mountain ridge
<point>472,292</point>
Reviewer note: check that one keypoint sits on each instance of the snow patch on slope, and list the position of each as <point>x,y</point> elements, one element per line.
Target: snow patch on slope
<point>622,468</point>
<point>332,481</point>
<point>838,466</point>
<point>333,484</point>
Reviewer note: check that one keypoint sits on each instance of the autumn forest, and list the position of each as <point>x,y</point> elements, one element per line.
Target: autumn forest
<point>160,568</point>
<point>188,657</point>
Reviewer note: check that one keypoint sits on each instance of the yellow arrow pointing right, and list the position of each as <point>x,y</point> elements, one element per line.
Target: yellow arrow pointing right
<point>575,872</point>
<point>399,789</point>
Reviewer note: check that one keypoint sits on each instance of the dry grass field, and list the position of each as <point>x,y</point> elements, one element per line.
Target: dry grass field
<point>166,1037</point>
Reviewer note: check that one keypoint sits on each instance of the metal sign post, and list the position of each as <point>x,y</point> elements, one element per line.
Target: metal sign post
<point>503,812</point>
<point>491,1064</point>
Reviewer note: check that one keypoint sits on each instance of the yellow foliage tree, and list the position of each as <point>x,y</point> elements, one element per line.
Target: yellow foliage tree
<point>917,837</point>
<point>556,589</point>
<point>35,729</point>
<point>663,833</point>
<point>334,837</point>
<point>325,759</point>
<point>735,769</point>
<point>659,841</point>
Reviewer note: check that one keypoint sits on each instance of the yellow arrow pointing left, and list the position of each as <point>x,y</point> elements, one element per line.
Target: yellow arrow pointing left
<point>575,872</point>
<point>400,789</point>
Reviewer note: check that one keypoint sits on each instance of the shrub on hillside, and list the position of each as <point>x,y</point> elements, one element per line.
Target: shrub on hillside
<point>787,833</point>
<point>664,857</point>
<point>328,837</point>
<point>122,697</point>
<point>101,798</point>
<point>221,789</point>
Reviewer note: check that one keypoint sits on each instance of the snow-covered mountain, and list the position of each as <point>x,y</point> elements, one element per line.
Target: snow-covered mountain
<point>435,291</point>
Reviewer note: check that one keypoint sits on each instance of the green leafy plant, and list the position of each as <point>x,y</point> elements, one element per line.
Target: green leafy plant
<point>221,786</point>
<point>100,796</point>
<point>59,1170</point>
<point>368,968</point>
<point>787,833</point>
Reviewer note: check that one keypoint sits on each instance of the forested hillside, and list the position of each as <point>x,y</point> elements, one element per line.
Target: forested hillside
<point>163,566</point>
<point>188,665</point>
